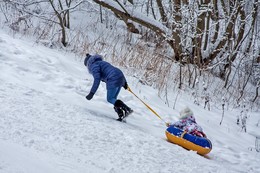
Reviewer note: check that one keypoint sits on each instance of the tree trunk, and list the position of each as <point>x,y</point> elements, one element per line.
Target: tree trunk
<point>176,43</point>
<point>215,17</point>
<point>256,93</point>
<point>162,12</point>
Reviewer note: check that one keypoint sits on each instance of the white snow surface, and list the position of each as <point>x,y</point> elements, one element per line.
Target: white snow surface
<point>47,125</point>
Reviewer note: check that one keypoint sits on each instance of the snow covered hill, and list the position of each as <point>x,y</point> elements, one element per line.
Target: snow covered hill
<point>47,125</point>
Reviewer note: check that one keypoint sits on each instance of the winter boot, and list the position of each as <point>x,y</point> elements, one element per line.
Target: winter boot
<point>125,108</point>
<point>119,110</point>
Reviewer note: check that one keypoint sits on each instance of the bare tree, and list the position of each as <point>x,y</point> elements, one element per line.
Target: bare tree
<point>62,9</point>
<point>40,9</point>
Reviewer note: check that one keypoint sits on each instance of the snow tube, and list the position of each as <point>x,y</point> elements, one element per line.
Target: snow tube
<point>177,136</point>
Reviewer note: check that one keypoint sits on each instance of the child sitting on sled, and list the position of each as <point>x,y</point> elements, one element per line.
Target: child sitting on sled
<point>188,123</point>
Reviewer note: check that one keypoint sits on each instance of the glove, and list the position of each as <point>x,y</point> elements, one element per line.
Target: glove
<point>168,124</point>
<point>125,86</point>
<point>90,96</point>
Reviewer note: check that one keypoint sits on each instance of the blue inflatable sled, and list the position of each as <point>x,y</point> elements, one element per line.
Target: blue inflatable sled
<point>202,145</point>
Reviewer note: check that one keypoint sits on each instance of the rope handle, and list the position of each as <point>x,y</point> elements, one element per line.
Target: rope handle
<point>128,88</point>
<point>184,132</point>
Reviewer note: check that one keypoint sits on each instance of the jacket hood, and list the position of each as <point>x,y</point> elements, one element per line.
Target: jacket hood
<point>185,113</point>
<point>92,59</point>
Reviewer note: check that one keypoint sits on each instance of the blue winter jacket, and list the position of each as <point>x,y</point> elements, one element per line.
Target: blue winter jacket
<point>104,71</point>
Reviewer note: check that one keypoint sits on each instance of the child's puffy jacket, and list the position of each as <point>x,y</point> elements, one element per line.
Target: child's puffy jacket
<point>190,126</point>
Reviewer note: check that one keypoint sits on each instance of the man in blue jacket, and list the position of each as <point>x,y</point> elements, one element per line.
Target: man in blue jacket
<point>114,79</point>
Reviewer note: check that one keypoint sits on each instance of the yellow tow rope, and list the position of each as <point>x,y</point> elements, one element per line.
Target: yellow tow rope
<point>128,88</point>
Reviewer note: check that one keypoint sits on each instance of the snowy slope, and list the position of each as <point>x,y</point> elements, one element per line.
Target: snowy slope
<point>47,125</point>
